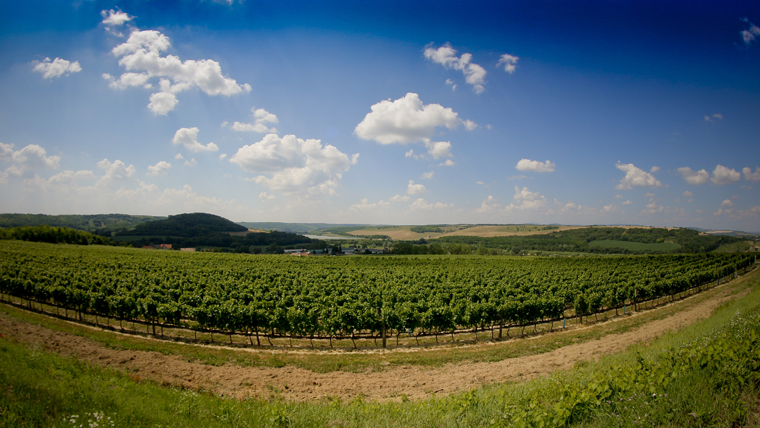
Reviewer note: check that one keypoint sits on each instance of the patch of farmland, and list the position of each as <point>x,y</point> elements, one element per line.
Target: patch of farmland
<point>635,246</point>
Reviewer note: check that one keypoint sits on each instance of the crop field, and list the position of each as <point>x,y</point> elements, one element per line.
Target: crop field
<point>343,297</point>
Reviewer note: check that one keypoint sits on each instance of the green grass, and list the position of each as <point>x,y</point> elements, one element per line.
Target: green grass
<point>42,389</point>
<point>734,247</point>
<point>635,246</point>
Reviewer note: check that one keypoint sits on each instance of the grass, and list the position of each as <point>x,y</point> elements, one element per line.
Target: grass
<point>43,389</point>
<point>635,246</point>
<point>466,349</point>
<point>734,247</point>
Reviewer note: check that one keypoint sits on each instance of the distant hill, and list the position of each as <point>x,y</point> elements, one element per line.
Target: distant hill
<point>101,224</point>
<point>185,226</point>
<point>294,227</point>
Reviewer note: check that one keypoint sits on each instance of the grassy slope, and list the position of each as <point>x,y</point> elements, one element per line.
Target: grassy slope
<point>41,389</point>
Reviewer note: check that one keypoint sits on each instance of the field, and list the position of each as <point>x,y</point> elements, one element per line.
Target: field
<point>452,367</point>
<point>635,246</point>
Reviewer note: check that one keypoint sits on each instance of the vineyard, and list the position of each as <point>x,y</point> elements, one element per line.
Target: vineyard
<point>343,297</point>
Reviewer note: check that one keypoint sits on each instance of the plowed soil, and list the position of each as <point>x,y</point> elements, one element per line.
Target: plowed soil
<point>298,384</point>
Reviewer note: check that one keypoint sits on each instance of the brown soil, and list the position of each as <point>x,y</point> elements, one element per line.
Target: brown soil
<point>298,384</point>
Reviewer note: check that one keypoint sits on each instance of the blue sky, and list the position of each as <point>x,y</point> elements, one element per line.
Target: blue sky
<point>585,112</point>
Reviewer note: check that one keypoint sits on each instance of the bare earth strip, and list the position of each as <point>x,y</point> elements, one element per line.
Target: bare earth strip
<point>300,384</point>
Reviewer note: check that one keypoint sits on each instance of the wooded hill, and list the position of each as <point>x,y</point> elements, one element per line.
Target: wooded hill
<point>101,224</point>
<point>185,226</point>
<point>615,238</point>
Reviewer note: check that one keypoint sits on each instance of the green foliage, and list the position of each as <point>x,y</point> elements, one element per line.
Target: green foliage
<point>426,229</point>
<point>344,296</point>
<point>186,226</point>
<point>102,224</point>
<point>55,235</point>
<point>579,240</point>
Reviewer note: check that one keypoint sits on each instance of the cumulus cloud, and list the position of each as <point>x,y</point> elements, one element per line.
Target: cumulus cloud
<point>723,175</point>
<point>399,198</point>
<point>428,175</point>
<point>688,194</point>
<point>750,176</point>
<point>446,55</point>
<point>422,204</point>
<point>364,205</point>
<point>713,118</point>
<point>509,62</point>
<point>115,18</point>
<point>635,177</point>
<point>448,162</point>
<point>470,125</point>
<point>694,177</point>
<point>264,196</point>
<point>439,149</point>
<point>415,189</point>
<point>405,120</point>
<point>628,202</point>
<point>750,34</point>
<point>452,84</point>
<point>613,209</point>
<point>142,54</point>
<point>188,137</point>
<point>294,165</point>
<point>29,158</point>
<point>727,203</point>
<point>489,205</point>
<point>527,200</point>
<point>128,80</point>
<point>114,171</point>
<point>535,166</point>
<point>654,169</point>
<point>56,68</point>
<point>161,168</point>
<point>261,119</point>
<point>162,103</point>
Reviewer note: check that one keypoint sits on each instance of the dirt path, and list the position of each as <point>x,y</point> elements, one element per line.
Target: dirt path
<point>300,384</point>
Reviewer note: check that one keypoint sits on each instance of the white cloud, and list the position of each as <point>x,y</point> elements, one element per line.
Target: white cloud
<point>264,196</point>
<point>162,103</point>
<point>654,169</point>
<point>713,118</point>
<point>750,34</point>
<point>448,162</point>
<point>635,177</point>
<point>535,166</point>
<point>428,175</point>
<point>618,196</point>
<point>415,189</point>
<point>688,194</point>
<point>405,120</point>
<point>114,18</point>
<point>422,204</point>
<point>399,198</point>
<point>261,119</point>
<point>470,125</point>
<point>509,61</point>
<point>452,84</point>
<point>29,158</point>
<point>114,171</point>
<point>141,54</point>
<point>295,165</point>
<point>750,176</point>
<point>727,203</point>
<point>365,205</point>
<point>489,205</point>
<point>694,177</point>
<point>439,149</point>
<point>178,156</point>
<point>161,168</point>
<point>649,195</point>
<point>613,209</point>
<point>446,55</point>
<point>723,175</point>
<point>223,156</point>
<point>56,68</point>
<point>188,137</point>
<point>628,202</point>
<point>128,80</point>
<point>527,200</point>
